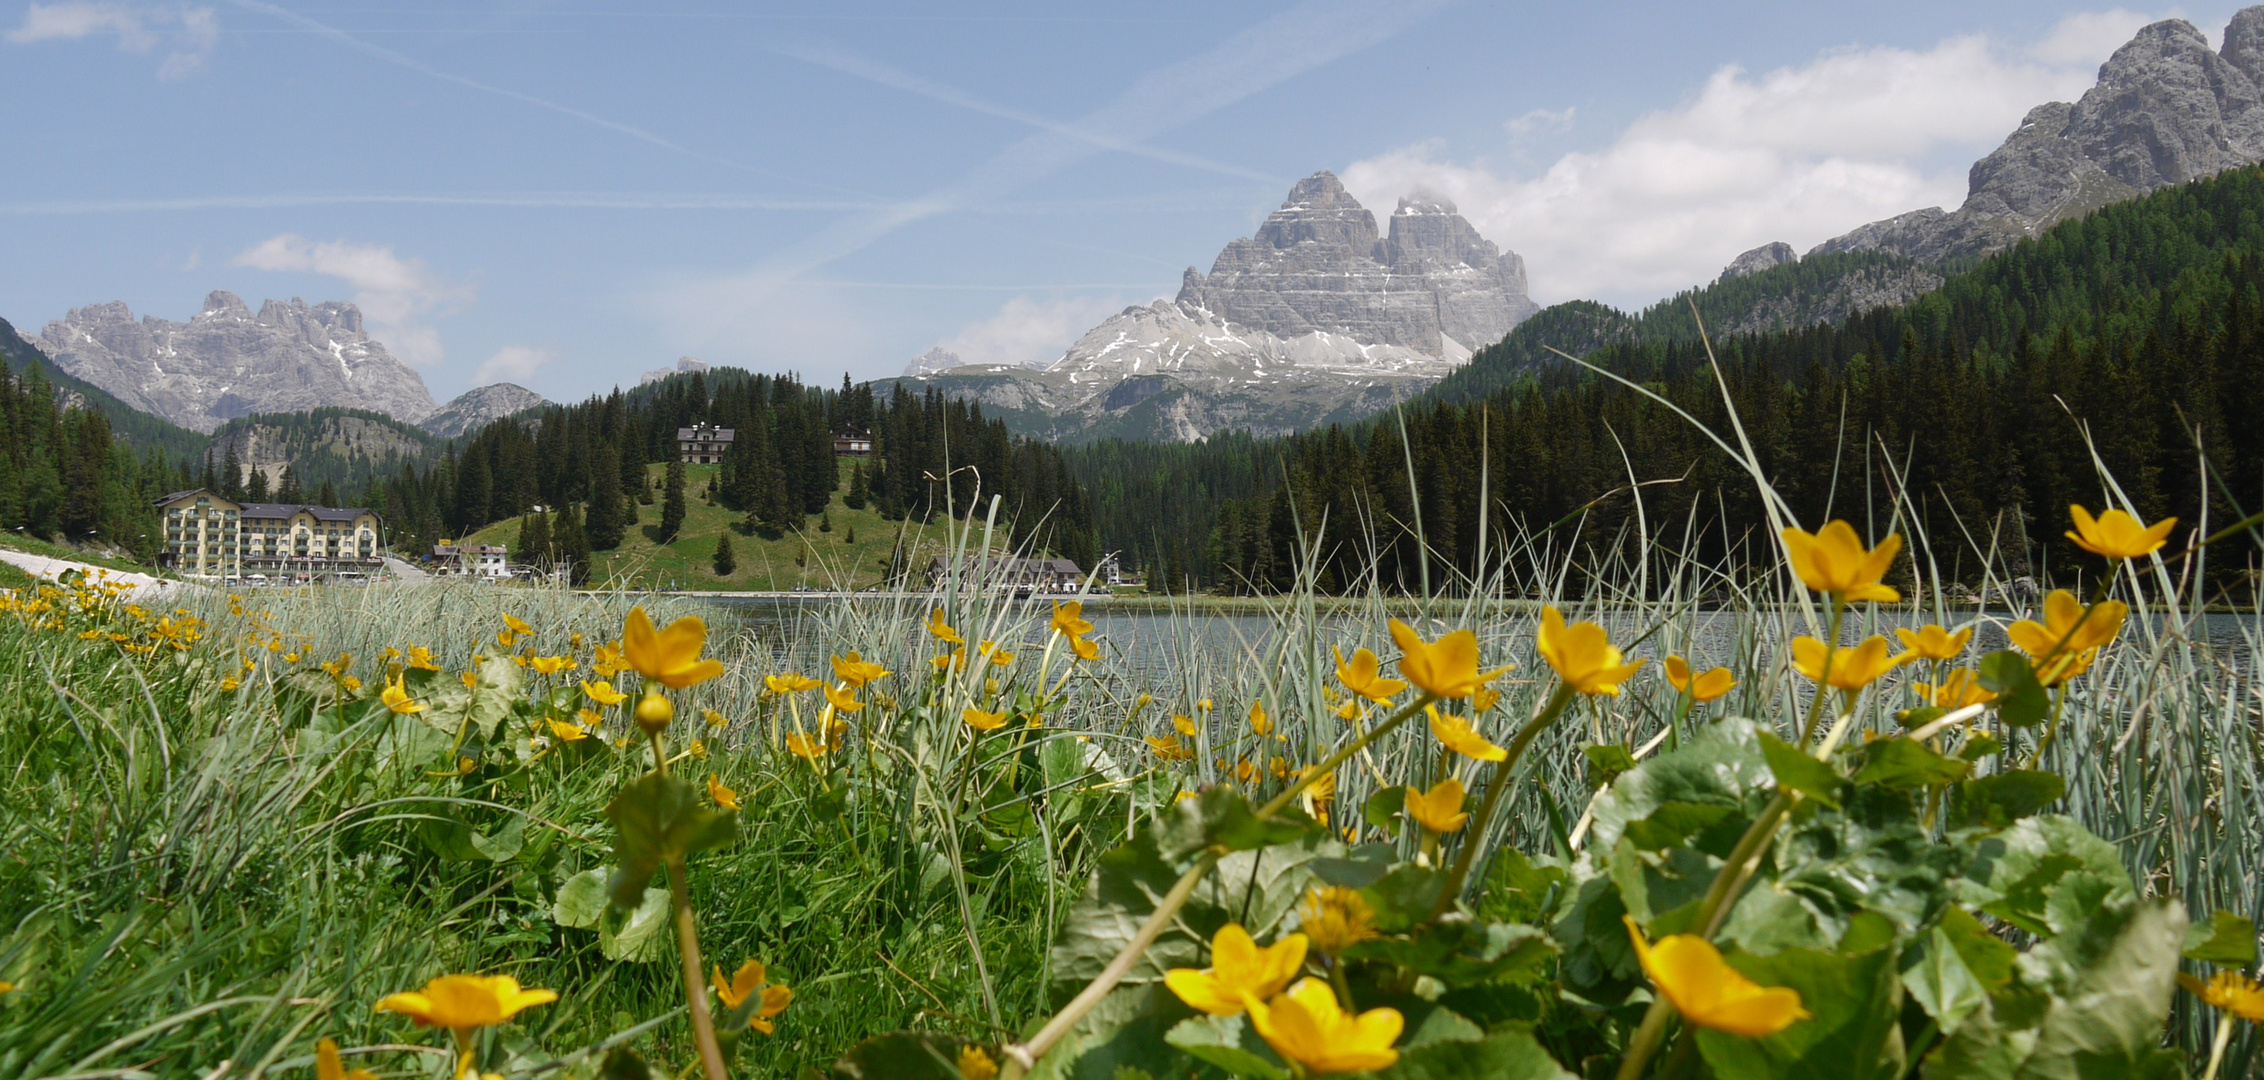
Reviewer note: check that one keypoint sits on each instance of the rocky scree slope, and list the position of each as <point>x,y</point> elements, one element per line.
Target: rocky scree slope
<point>1315,318</point>
<point>227,362</point>
<point>476,408</point>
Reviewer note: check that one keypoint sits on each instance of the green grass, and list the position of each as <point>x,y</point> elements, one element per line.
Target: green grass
<point>840,549</point>
<point>115,560</point>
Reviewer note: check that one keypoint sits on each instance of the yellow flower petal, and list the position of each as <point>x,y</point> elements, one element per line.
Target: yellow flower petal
<point>1834,560</point>
<point>1456,734</point>
<point>1582,655</point>
<point>1439,809</point>
<point>1691,974</point>
<point>670,657</point>
<point>1447,667</point>
<point>1307,1026</point>
<point>2117,535</point>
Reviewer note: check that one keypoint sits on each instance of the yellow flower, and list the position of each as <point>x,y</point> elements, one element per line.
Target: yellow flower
<point>950,661</point>
<point>1958,689</point>
<point>789,682</point>
<point>983,721</point>
<point>566,732</point>
<point>1439,809</point>
<point>327,1065</point>
<point>589,718</point>
<point>390,653</point>
<point>1851,669</point>
<point>1359,675</point>
<point>337,668</point>
<point>1456,734</point>
<point>749,978</point>
<point>396,698</point>
<point>1582,655</point>
<point>2230,991</point>
<point>723,796</point>
<point>1169,748</point>
<point>670,657</point>
<point>855,670</point>
<point>2057,663</point>
<point>942,630</point>
<point>1260,724</point>
<point>976,1064</point>
<point>2117,535</point>
<point>698,750</point>
<point>812,748</point>
<point>1185,725</point>
<point>1240,969</point>
<point>1931,642</point>
<point>994,654</point>
<point>1084,649</point>
<point>603,693</point>
<point>1350,710</point>
<point>517,625</point>
<point>504,638</point>
<point>607,661</point>
<point>551,665</point>
<point>1834,561</point>
<point>1069,618</point>
<point>1486,698</point>
<point>713,718</point>
<point>843,700</point>
<point>1204,705</point>
<point>1691,974</point>
<point>1307,1026</point>
<point>1335,919</point>
<point>420,658</point>
<point>1702,688</point>
<point>461,1003</point>
<point>470,679</point>
<point>1447,667</point>
<point>229,684</point>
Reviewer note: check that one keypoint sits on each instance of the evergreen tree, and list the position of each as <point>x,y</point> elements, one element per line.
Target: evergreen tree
<point>825,521</point>
<point>289,492</point>
<point>231,474</point>
<point>849,535</point>
<point>570,545</point>
<point>725,562</point>
<point>256,490</point>
<point>327,496</point>
<point>858,492</point>
<point>672,507</point>
<point>534,547</point>
<point>605,527</point>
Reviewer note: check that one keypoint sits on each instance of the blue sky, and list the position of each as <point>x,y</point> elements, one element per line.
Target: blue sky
<point>565,195</point>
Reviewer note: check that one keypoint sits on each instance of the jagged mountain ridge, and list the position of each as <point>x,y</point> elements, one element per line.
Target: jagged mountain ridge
<point>2166,110</point>
<point>1314,318</point>
<point>227,362</point>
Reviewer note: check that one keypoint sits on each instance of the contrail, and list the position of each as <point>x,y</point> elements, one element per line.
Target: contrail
<point>871,70</point>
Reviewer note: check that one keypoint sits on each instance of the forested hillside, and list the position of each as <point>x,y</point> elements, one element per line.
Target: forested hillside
<point>346,450</point>
<point>2142,324</point>
<point>587,463</point>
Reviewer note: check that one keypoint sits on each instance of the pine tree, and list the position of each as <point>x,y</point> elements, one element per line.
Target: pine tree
<point>256,491</point>
<point>604,527</point>
<point>725,562</point>
<point>825,521</point>
<point>858,492</point>
<point>672,504</point>
<point>571,546</point>
<point>232,474</point>
<point>328,496</point>
<point>290,492</point>
<point>849,536</point>
<point>534,542</point>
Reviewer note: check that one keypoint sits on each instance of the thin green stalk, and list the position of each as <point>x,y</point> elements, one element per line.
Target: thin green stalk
<point>1474,833</point>
<point>695,992</point>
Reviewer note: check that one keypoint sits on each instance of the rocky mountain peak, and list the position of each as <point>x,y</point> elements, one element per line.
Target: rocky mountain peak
<point>226,362</point>
<point>2166,110</point>
<point>1767,256</point>
<point>935,359</point>
<point>1317,265</point>
<point>480,405</point>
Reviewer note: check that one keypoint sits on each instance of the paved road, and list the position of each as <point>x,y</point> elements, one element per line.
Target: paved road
<point>406,571</point>
<point>41,566</point>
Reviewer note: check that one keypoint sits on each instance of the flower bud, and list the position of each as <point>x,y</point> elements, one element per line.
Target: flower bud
<point>654,713</point>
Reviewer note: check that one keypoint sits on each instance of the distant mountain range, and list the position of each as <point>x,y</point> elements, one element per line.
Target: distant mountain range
<point>227,362</point>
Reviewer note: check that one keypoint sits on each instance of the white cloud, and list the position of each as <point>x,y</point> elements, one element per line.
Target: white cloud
<point>1541,122</point>
<point>512,363</point>
<point>395,294</point>
<point>1798,154</point>
<point>191,31</point>
<point>1028,333</point>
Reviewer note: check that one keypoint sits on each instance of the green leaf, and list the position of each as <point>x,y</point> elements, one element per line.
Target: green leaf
<point>1516,890</point>
<point>1988,957</point>
<point>1677,823</point>
<point>1854,1002</point>
<point>1510,1055</point>
<point>1653,883</point>
<point>1404,897</point>
<point>2228,940</point>
<point>1462,952</point>
<point>1229,1043</point>
<point>2112,980</point>
<point>504,844</point>
<point>581,900</point>
<point>622,1063</point>
<point>1940,983</point>
<point>657,818</point>
<point>901,1055</point>
<point>640,934</point>
<point>1907,764</point>
<point>2017,873</point>
<point>1383,808</point>
<point>1978,746</point>
<point>1998,800</point>
<point>1606,762</point>
<point>485,706</point>
<point>1720,765</point>
<point>2021,700</point>
<point>1221,817</point>
<point>1913,719</point>
<point>1800,772</point>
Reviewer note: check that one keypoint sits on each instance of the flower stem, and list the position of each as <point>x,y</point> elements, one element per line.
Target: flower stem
<point>2217,1050</point>
<point>1474,834</point>
<point>1314,774</point>
<point>695,991</point>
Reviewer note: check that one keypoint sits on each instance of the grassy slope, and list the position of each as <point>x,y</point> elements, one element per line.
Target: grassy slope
<point>113,559</point>
<point>828,559</point>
